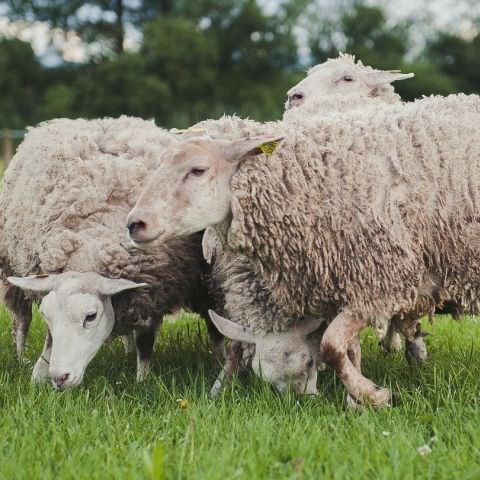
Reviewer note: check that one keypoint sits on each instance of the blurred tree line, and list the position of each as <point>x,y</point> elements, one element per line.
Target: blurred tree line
<point>200,58</point>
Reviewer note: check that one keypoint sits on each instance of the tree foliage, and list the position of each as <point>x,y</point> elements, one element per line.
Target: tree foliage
<point>201,58</point>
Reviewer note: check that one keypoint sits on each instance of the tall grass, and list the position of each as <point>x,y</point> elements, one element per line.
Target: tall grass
<point>112,427</point>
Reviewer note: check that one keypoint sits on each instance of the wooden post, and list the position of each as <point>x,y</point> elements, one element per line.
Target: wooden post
<point>7,147</point>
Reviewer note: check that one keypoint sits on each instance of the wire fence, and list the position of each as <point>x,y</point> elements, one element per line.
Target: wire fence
<point>9,139</point>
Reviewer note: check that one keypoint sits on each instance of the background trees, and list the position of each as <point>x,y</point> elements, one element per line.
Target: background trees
<point>179,61</point>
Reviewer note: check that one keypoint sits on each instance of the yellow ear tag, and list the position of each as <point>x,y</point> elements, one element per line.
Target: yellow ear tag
<point>269,147</point>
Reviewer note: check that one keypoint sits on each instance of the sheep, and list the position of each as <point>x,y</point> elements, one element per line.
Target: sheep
<point>64,244</point>
<point>344,76</point>
<point>356,220</point>
<point>343,105</point>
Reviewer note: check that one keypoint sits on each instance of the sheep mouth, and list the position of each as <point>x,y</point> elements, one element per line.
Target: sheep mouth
<point>148,243</point>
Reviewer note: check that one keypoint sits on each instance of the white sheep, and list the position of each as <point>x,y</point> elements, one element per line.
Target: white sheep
<point>343,76</point>
<point>356,220</point>
<point>62,214</point>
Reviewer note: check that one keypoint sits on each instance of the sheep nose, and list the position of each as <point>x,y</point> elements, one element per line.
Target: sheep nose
<point>295,98</point>
<point>60,380</point>
<point>135,226</point>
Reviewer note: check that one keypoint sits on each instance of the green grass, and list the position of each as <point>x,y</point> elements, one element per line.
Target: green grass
<point>112,427</point>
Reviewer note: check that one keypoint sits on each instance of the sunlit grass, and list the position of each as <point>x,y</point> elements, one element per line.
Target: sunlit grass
<point>112,427</point>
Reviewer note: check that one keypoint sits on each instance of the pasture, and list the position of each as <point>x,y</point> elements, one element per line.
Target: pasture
<point>168,427</point>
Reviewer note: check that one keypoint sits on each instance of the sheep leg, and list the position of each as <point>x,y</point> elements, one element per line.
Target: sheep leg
<point>354,353</point>
<point>392,341</point>
<point>232,363</point>
<point>128,341</point>
<point>415,348</point>
<point>415,351</point>
<point>334,351</point>
<point>217,341</point>
<point>21,309</point>
<point>41,369</point>
<point>144,341</point>
<point>21,325</point>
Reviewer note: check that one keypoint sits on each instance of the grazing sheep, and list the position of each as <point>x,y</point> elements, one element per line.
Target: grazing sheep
<point>62,213</point>
<point>343,76</point>
<point>356,221</point>
<point>336,107</point>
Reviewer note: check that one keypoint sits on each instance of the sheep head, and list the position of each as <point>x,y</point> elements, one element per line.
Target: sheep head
<point>344,76</point>
<point>195,188</point>
<point>78,310</point>
<point>283,359</point>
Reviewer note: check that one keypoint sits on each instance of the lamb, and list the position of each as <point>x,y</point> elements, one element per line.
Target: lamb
<point>356,221</point>
<point>62,214</point>
<point>343,76</point>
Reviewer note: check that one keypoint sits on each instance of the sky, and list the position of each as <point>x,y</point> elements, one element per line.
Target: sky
<point>439,14</point>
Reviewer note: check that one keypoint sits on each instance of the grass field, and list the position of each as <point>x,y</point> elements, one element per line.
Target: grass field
<point>112,427</point>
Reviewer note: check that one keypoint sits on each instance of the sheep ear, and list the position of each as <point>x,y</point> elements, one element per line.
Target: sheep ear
<point>308,326</point>
<point>239,150</point>
<point>112,286</point>
<point>377,78</point>
<point>231,329</point>
<point>35,283</point>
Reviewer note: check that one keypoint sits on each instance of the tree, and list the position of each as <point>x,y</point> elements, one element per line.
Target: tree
<point>21,84</point>
<point>101,21</point>
<point>361,30</point>
<point>366,31</point>
<point>458,58</point>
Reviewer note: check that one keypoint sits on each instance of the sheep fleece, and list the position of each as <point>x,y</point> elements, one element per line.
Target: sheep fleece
<point>369,213</point>
<point>64,204</point>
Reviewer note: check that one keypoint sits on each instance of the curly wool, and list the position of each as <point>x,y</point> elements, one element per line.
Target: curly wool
<point>366,214</point>
<point>239,290</point>
<point>335,105</point>
<point>65,199</point>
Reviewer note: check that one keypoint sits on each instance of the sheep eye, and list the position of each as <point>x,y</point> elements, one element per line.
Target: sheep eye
<point>197,172</point>
<point>348,78</point>
<point>296,96</point>
<point>90,317</point>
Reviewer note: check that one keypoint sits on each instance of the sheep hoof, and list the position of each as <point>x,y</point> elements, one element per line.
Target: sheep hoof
<point>128,343</point>
<point>143,371</point>
<point>391,344</point>
<point>381,398</point>
<point>416,352</point>
<point>352,404</point>
<point>216,390</point>
<point>321,367</point>
<point>218,385</point>
<point>377,399</point>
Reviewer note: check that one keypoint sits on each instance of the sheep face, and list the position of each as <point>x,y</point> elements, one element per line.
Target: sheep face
<point>283,359</point>
<point>78,310</point>
<point>342,76</point>
<point>194,180</point>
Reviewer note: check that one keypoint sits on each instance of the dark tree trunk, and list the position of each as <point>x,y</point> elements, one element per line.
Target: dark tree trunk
<point>119,36</point>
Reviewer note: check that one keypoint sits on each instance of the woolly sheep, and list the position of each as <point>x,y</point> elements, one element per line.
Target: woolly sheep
<point>272,369</point>
<point>344,76</point>
<point>62,213</point>
<point>357,221</point>
<point>335,107</point>
<point>335,86</point>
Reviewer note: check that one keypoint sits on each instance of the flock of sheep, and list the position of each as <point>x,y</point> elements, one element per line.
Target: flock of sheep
<point>288,237</point>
